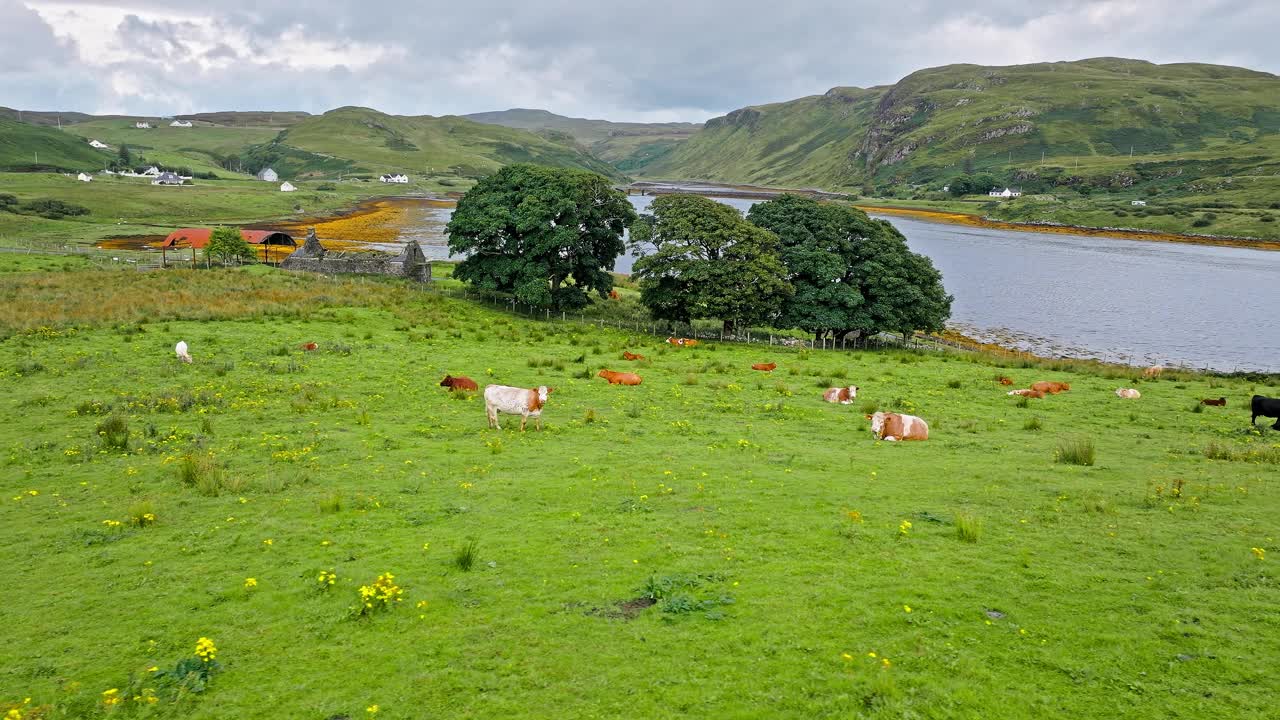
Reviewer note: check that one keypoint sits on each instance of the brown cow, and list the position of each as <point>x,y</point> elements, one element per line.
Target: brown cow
<point>1004,380</point>
<point>1153,372</point>
<point>842,395</point>
<point>1028,393</point>
<point>309,346</point>
<point>617,378</point>
<point>682,342</point>
<point>1220,402</point>
<point>767,367</point>
<point>1052,388</point>
<point>613,295</point>
<point>631,356</point>
<point>894,427</point>
<point>459,383</point>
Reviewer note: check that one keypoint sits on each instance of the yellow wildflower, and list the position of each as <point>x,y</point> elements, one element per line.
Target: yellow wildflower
<point>205,649</point>
<point>372,709</point>
<point>906,608</point>
<point>846,656</point>
<point>268,542</point>
<point>1259,553</point>
<point>111,697</point>
<point>250,583</point>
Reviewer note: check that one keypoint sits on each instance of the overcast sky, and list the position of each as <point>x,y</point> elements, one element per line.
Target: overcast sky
<point>654,60</point>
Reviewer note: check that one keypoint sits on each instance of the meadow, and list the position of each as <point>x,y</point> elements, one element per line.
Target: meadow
<point>716,542</point>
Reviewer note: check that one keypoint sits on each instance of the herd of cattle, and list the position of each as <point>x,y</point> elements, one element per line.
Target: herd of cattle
<point>528,403</point>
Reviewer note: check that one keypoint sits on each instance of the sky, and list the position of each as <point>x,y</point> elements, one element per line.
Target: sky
<point>651,61</point>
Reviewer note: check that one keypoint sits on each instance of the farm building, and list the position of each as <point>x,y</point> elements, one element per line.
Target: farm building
<point>84,177</point>
<point>398,178</point>
<point>1139,203</point>
<point>196,238</point>
<point>268,175</point>
<point>1006,193</point>
<point>167,178</point>
<point>180,123</point>
<point>287,186</point>
<point>99,145</point>
<point>141,125</point>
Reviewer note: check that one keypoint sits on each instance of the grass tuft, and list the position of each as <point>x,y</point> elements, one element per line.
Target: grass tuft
<point>465,557</point>
<point>968,527</point>
<point>1075,451</point>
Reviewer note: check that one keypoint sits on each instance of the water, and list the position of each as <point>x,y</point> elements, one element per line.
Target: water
<point>1113,299</point>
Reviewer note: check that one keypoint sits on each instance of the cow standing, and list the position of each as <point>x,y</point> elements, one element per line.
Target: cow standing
<point>1052,388</point>
<point>515,401</point>
<point>1265,407</point>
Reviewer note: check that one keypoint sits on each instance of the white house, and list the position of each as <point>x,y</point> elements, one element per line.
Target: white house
<point>152,171</point>
<point>268,175</point>
<point>99,144</point>
<point>167,178</point>
<point>402,179</point>
<point>1006,193</point>
<point>84,177</point>
<point>142,125</point>
<point>1139,203</point>
<point>180,123</point>
<point>287,187</point>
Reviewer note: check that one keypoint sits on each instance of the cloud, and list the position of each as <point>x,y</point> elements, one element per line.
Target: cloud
<point>660,60</point>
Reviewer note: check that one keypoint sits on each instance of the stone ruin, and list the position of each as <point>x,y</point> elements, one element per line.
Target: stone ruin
<point>313,257</point>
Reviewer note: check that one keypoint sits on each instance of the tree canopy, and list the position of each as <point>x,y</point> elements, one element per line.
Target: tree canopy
<point>549,236</point>
<point>701,259</point>
<point>851,273</point>
<point>227,245</point>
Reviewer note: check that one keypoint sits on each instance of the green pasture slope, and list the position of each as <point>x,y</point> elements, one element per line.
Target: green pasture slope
<point>800,568</point>
<point>25,147</point>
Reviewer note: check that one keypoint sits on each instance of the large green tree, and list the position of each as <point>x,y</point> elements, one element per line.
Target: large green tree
<point>851,273</point>
<point>549,236</point>
<point>701,259</point>
<point>227,245</point>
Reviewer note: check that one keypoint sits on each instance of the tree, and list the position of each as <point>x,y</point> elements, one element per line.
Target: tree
<point>704,260</point>
<point>549,236</point>
<point>124,158</point>
<point>227,245</point>
<point>961,185</point>
<point>851,273</point>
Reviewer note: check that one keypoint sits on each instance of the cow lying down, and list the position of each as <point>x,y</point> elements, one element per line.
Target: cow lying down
<point>894,427</point>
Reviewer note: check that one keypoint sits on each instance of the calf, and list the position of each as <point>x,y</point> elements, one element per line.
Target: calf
<point>1220,402</point>
<point>462,382</point>
<point>181,350</point>
<point>613,295</point>
<point>515,401</point>
<point>842,395</point>
<point>767,367</point>
<point>1028,393</point>
<point>631,356</point>
<point>309,347</point>
<point>894,427</point>
<point>1128,393</point>
<point>617,378</point>
<point>1265,407</point>
<point>1052,388</point>
<point>1005,380</point>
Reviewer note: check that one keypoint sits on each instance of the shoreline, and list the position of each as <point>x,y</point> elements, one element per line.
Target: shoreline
<point>959,218</point>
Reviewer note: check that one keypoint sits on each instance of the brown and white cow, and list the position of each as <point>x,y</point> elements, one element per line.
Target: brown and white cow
<point>309,347</point>
<point>515,401</point>
<point>462,382</point>
<point>682,342</point>
<point>894,427</point>
<point>1026,392</point>
<point>1004,380</point>
<point>1051,388</point>
<point>1154,371</point>
<point>617,378</point>
<point>626,355</point>
<point>842,395</point>
<point>1128,393</point>
<point>766,367</point>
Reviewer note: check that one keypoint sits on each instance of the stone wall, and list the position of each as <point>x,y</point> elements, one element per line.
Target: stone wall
<point>312,257</point>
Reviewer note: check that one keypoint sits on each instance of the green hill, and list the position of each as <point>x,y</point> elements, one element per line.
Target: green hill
<point>248,119</point>
<point>27,147</point>
<point>202,148</point>
<point>371,142</point>
<point>44,117</point>
<point>1105,121</point>
<point>628,146</point>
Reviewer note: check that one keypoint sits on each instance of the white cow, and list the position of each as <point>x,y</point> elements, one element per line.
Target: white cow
<point>1128,393</point>
<point>515,401</point>
<point>181,350</point>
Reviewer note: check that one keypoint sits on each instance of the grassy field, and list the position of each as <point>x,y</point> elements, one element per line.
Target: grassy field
<point>201,148</point>
<point>121,206</point>
<point>27,147</point>
<point>716,542</point>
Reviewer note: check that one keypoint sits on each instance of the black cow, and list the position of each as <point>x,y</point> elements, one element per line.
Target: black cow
<point>1266,407</point>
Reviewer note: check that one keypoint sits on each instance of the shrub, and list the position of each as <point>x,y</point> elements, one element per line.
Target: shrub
<point>1023,402</point>
<point>53,209</point>
<point>8,201</point>
<point>142,514</point>
<point>1075,451</point>
<point>868,407</point>
<point>114,433</point>
<point>953,384</point>
<point>331,503</point>
<point>968,527</point>
<point>199,471</point>
<point>1033,424</point>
